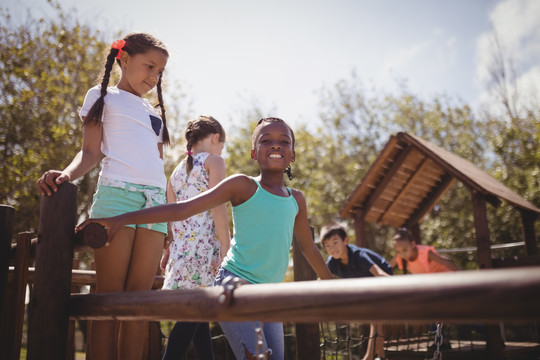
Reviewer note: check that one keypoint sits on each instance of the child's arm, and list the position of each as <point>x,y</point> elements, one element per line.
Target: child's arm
<point>235,188</point>
<point>375,270</point>
<point>86,159</point>
<point>216,170</point>
<point>303,236</point>
<point>443,261</point>
<point>393,261</point>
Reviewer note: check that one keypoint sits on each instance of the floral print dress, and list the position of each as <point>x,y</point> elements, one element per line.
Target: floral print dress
<point>194,252</point>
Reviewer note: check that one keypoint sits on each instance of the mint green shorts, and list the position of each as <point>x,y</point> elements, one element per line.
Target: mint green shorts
<point>111,201</point>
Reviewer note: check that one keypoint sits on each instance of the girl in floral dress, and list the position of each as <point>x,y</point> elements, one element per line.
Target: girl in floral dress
<point>199,242</point>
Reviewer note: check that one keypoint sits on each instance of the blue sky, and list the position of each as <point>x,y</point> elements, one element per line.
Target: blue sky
<point>280,53</point>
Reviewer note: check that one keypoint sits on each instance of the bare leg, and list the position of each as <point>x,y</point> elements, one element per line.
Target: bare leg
<point>145,257</point>
<point>375,342</point>
<point>111,263</point>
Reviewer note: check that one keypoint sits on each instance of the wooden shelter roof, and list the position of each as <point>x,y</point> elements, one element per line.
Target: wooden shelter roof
<point>410,176</point>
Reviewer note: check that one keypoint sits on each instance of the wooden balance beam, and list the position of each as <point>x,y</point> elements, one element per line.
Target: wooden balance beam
<point>486,296</point>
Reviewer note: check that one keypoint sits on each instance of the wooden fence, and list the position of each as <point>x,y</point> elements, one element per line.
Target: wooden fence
<point>483,296</point>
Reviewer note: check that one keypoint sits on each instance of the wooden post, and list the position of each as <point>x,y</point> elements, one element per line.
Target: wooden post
<point>415,232</point>
<point>307,334</point>
<point>7,214</point>
<point>483,242</point>
<point>495,345</point>
<point>528,218</point>
<point>49,303</point>
<point>16,300</point>
<point>360,228</point>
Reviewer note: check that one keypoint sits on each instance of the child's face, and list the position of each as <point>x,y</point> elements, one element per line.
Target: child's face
<point>336,247</point>
<point>141,72</point>
<point>405,249</point>
<point>273,147</point>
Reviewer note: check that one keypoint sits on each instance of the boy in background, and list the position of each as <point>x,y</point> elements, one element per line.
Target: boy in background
<point>350,261</point>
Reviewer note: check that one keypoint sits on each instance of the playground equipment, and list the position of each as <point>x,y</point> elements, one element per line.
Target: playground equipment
<point>484,296</point>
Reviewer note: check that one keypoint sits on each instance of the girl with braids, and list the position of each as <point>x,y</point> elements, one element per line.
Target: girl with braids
<point>199,242</point>
<point>266,214</point>
<point>122,125</point>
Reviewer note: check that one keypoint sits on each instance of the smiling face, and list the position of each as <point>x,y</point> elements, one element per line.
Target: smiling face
<point>141,72</point>
<point>273,146</point>
<point>336,247</point>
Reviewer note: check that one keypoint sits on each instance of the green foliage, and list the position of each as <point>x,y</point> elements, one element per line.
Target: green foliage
<point>356,126</point>
<point>46,68</point>
<point>454,128</point>
<point>47,65</point>
<point>515,140</point>
<point>239,144</point>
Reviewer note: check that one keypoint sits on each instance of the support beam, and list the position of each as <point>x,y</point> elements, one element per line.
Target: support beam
<point>386,179</point>
<point>415,232</point>
<point>49,301</point>
<point>495,344</point>
<point>360,228</point>
<point>483,242</point>
<point>7,214</point>
<point>482,296</point>
<point>527,219</point>
<point>307,335</point>
<point>17,297</point>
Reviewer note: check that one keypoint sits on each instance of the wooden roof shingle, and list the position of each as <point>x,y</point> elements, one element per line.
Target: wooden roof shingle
<point>410,176</point>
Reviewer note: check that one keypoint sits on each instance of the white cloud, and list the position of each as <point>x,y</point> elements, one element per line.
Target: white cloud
<point>528,87</point>
<point>427,65</point>
<point>516,27</point>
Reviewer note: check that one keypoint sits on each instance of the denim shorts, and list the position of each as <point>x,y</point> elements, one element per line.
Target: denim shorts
<point>111,201</point>
<point>243,334</point>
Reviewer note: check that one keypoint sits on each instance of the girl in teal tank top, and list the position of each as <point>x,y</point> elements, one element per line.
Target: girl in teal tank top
<point>266,214</point>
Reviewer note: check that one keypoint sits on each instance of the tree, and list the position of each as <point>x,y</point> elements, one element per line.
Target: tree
<point>513,129</point>
<point>46,68</point>
<point>358,123</point>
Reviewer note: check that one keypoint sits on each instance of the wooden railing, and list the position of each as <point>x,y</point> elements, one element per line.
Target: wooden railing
<point>483,296</point>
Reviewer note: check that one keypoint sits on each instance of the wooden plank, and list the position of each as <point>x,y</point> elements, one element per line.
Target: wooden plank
<point>483,242</point>
<point>307,335</point>
<point>49,300</point>
<point>387,178</point>
<point>434,152</point>
<point>527,219</point>
<point>480,296</point>
<point>360,229</point>
<point>373,173</point>
<point>429,202</point>
<point>17,305</point>
<point>404,191</point>
<point>7,214</point>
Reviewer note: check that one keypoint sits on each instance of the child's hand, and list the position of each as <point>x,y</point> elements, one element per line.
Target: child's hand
<point>112,226</point>
<point>49,181</point>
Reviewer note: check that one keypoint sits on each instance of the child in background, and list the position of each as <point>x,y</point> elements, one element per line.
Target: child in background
<point>266,214</point>
<point>122,125</point>
<point>350,261</point>
<point>419,258</point>
<point>199,242</point>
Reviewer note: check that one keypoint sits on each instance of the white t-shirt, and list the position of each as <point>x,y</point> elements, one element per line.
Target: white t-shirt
<point>132,130</point>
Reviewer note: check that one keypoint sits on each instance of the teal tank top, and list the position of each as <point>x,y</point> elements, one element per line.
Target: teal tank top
<point>263,232</point>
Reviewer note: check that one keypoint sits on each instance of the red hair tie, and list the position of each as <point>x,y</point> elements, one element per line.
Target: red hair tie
<point>119,45</point>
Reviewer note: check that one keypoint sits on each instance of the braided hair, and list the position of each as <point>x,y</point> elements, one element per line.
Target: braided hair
<point>135,43</point>
<point>198,129</point>
<point>257,129</point>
